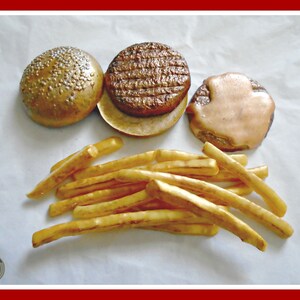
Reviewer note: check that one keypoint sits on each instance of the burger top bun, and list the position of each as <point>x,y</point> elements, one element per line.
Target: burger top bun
<point>146,87</point>
<point>61,86</point>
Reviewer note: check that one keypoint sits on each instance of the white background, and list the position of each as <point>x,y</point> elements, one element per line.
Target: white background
<point>266,48</point>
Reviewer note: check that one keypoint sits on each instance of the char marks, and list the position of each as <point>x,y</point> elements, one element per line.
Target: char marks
<point>147,79</point>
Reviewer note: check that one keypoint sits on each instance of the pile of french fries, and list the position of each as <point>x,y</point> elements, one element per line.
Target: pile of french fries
<point>165,190</point>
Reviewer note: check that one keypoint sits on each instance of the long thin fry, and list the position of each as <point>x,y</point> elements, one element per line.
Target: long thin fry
<point>163,155</point>
<point>87,185</point>
<point>188,229</point>
<point>224,175</point>
<point>107,223</point>
<point>63,206</point>
<point>272,199</point>
<point>76,162</point>
<point>123,163</point>
<point>65,192</point>
<point>240,189</point>
<point>159,204</point>
<point>194,171</point>
<point>194,163</point>
<point>104,147</point>
<point>198,166</point>
<point>155,204</point>
<point>75,186</point>
<point>111,207</point>
<point>215,194</point>
<point>204,208</point>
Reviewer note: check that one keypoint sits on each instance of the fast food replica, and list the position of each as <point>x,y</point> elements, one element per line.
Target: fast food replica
<point>231,111</point>
<point>61,86</point>
<point>166,190</point>
<point>145,90</point>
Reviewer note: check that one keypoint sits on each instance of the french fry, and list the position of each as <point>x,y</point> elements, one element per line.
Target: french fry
<point>64,193</point>
<point>123,163</point>
<point>108,223</point>
<point>165,190</point>
<point>194,171</point>
<point>76,162</point>
<point>272,199</point>
<point>159,204</point>
<point>63,206</point>
<point>163,155</point>
<point>104,147</point>
<point>188,229</point>
<point>87,185</point>
<point>215,194</point>
<point>223,175</point>
<point>240,189</point>
<point>135,202</point>
<point>241,158</point>
<point>155,204</point>
<point>78,187</point>
<point>204,208</point>
<point>199,166</point>
<point>111,207</point>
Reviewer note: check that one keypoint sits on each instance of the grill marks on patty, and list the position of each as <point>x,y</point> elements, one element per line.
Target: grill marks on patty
<point>147,79</point>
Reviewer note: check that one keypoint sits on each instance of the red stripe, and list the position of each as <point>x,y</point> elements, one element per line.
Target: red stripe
<point>150,5</point>
<point>150,294</point>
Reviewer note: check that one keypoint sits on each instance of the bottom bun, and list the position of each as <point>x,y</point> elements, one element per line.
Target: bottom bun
<point>138,126</point>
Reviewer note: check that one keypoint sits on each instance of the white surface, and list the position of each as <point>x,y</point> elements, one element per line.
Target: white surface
<point>264,47</point>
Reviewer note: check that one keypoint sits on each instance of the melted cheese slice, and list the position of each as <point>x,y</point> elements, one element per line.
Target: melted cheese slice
<point>235,112</point>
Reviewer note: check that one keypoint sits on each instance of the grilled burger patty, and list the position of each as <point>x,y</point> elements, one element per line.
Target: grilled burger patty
<point>147,79</point>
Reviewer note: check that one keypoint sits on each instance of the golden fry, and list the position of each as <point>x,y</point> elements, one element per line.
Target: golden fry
<point>76,162</point>
<point>188,229</point>
<point>104,147</point>
<point>204,208</point>
<point>163,155</point>
<point>159,204</point>
<point>155,204</point>
<point>63,206</point>
<point>123,163</point>
<point>199,166</point>
<point>241,158</point>
<point>65,192</point>
<point>107,223</point>
<point>274,202</point>
<point>215,194</point>
<point>74,188</point>
<point>240,189</point>
<point>223,175</point>
<point>111,207</point>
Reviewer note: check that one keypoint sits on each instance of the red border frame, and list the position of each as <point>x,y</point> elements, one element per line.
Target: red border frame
<point>150,5</point>
<point>138,5</point>
<point>152,294</point>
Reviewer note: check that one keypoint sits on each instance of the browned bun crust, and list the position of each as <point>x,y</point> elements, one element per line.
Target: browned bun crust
<point>138,126</point>
<point>147,79</point>
<point>61,86</point>
<point>202,97</point>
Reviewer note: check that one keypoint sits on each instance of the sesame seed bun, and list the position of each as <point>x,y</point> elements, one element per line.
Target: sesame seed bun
<point>61,86</point>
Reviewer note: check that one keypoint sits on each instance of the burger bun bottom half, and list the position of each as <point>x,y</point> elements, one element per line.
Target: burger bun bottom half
<point>139,126</point>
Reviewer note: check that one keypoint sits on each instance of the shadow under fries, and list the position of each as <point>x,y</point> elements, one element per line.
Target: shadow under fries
<point>191,253</point>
